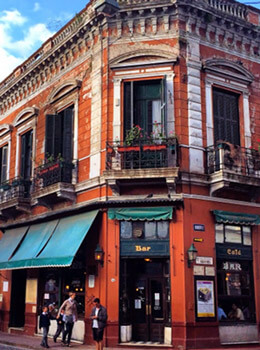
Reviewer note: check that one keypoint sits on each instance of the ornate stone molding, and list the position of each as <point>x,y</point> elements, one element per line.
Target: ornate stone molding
<point>224,67</point>
<point>25,114</point>
<point>63,89</point>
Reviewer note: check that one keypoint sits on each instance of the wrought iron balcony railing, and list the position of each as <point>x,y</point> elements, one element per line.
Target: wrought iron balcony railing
<point>14,189</point>
<point>232,158</point>
<point>142,154</point>
<point>52,173</point>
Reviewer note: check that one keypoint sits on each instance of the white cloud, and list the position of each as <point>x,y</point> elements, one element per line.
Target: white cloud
<point>14,17</point>
<point>34,35</point>
<point>7,63</point>
<point>36,7</point>
<point>14,52</point>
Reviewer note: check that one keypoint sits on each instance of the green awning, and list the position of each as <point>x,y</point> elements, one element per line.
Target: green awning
<point>152,213</point>
<point>229,217</point>
<point>66,240</point>
<point>34,241</point>
<point>10,241</point>
<point>52,244</point>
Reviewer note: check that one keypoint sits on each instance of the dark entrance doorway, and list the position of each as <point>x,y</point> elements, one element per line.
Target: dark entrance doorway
<point>145,297</point>
<point>17,298</point>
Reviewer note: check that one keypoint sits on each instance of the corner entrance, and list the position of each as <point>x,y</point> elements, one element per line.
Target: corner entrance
<point>145,298</point>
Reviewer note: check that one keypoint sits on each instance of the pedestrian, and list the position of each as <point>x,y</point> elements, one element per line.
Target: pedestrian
<point>44,324</point>
<point>60,326</point>
<point>99,317</point>
<point>70,317</point>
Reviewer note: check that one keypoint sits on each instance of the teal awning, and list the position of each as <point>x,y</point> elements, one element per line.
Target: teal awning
<point>52,244</point>
<point>152,213</point>
<point>9,243</point>
<point>34,241</point>
<point>229,217</point>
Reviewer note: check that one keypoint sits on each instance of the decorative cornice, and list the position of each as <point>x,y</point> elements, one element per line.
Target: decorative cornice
<point>64,88</point>
<point>4,129</point>
<point>234,70</point>
<point>25,114</point>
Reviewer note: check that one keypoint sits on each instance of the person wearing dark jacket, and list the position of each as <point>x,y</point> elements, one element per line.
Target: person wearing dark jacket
<point>60,326</point>
<point>99,322</point>
<point>44,323</point>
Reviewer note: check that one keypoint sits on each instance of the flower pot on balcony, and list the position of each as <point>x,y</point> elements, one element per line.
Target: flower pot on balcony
<point>154,147</point>
<point>129,149</point>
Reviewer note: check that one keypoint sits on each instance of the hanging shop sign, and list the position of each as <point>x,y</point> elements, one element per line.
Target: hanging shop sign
<point>143,248</point>
<point>205,298</point>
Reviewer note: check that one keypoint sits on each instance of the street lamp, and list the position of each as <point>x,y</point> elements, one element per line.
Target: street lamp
<point>192,254</point>
<point>99,255</point>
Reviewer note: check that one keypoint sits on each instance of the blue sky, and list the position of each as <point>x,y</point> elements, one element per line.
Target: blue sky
<point>26,24</point>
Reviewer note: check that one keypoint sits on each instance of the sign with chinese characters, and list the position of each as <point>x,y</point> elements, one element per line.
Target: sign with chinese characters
<point>204,260</point>
<point>205,298</point>
<point>198,227</point>
<point>231,266</point>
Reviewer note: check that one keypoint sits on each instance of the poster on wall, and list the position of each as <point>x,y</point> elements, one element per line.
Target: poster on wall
<point>205,299</point>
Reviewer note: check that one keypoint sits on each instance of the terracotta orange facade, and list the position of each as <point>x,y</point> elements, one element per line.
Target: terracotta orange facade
<point>133,133</point>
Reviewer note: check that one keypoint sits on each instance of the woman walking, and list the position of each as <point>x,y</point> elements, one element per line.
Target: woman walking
<point>70,316</point>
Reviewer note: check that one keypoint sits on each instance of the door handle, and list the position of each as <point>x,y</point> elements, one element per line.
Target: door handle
<point>150,309</point>
<point>147,309</point>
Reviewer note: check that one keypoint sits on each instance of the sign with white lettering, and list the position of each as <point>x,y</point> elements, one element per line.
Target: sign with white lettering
<point>231,266</point>
<point>204,260</point>
<point>198,227</point>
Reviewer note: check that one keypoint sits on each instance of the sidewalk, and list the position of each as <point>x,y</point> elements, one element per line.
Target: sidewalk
<point>33,342</point>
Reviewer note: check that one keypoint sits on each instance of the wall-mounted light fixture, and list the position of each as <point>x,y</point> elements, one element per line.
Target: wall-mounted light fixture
<point>192,254</point>
<point>99,255</point>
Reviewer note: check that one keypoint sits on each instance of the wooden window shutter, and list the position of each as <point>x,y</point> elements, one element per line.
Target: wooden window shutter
<point>23,155</point>
<point>49,134</point>
<point>226,116</point>
<point>67,134</point>
<point>4,163</point>
<point>57,135</point>
<point>163,104</point>
<point>128,123</point>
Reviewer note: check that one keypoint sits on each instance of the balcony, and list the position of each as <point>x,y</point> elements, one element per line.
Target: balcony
<point>143,161</point>
<point>14,198</point>
<point>53,183</point>
<point>233,168</point>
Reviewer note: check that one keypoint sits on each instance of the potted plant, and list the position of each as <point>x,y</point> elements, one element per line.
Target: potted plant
<point>133,136</point>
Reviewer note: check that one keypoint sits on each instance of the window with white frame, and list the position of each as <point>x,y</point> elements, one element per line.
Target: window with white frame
<point>144,105</point>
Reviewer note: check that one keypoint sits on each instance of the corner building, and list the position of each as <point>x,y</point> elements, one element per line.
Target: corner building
<point>133,133</point>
